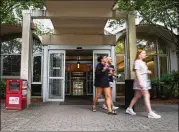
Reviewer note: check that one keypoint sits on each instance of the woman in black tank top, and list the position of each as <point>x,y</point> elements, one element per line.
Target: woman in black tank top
<point>102,84</point>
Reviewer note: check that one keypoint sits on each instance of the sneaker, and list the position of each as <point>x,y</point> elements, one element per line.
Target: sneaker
<point>130,111</point>
<point>115,108</point>
<point>93,108</point>
<point>104,107</point>
<point>153,115</point>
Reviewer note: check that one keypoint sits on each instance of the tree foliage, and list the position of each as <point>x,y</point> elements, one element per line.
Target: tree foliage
<point>11,10</point>
<point>155,12</point>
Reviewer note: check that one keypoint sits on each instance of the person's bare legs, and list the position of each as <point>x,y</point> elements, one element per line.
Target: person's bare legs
<point>138,94</point>
<point>146,95</point>
<point>108,98</point>
<point>99,91</point>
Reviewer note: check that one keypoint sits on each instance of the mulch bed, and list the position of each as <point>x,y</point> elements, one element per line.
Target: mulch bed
<point>169,101</point>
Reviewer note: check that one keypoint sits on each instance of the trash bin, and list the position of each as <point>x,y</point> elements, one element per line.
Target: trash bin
<point>16,94</point>
<point>129,92</point>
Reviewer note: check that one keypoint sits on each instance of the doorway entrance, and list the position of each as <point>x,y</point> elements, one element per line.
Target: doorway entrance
<point>68,72</point>
<point>79,76</point>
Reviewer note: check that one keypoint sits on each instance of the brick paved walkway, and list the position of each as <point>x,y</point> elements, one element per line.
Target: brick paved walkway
<point>55,117</point>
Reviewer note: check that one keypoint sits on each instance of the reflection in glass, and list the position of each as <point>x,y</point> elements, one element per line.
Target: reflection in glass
<point>120,89</point>
<point>162,47</point>
<point>149,46</point>
<point>11,47</point>
<point>11,65</point>
<point>120,68</point>
<point>37,69</point>
<point>56,65</point>
<point>37,46</point>
<point>120,47</point>
<point>152,65</point>
<point>55,88</point>
<point>163,65</point>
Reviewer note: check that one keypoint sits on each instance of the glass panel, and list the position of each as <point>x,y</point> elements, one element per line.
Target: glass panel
<point>55,88</point>
<point>120,47</point>
<point>162,47</point>
<point>120,89</point>
<point>11,47</point>
<point>120,68</point>
<point>78,87</point>
<point>11,65</point>
<point>56,65</point>
<point>37,69</point>
<point>149,46</point>
<point>152,65</point>
<point>14,86</point>
<point>37,46</point>
<point>163,65</point>
<point>36,89</point>
<point>90,82</point>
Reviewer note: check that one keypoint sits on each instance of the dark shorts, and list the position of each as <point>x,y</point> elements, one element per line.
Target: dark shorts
<point>102,84</point>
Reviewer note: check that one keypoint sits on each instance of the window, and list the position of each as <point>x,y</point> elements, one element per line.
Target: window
<point>37,69</point>
<point>151,61</point>
<point>11,62</point>
<point>162,49</point>
<point>163,65</point>
<point>120,60</point>
<point>157,58</point>
<point>120,65</point>
<point>11,47</point>
<point>120,90</point>
<point>37,46</point>
<point>120,47</point>
<point>11,65</point>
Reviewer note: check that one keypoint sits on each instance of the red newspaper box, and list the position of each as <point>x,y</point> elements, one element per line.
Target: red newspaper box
<point>16,94</point>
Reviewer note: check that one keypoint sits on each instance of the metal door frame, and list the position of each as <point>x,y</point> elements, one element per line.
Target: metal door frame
<point>62,78</point>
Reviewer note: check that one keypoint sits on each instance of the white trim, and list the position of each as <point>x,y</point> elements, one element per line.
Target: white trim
<point>9,54</point>
<point>114,82</point>
<point>45,70</point>
<point>56,100</point>
<point>84,47</point>
<point>36,83</point>
<point>14,77</point>
<point>120,83</point>
<point>60,78</point>
<point>36,97</point>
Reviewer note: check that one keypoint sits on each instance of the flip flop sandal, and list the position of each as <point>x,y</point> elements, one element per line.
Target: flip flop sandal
<point>112,112</point>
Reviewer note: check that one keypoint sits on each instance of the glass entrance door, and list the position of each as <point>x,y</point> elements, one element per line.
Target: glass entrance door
<point>96,54</point>
<point>56,75</point>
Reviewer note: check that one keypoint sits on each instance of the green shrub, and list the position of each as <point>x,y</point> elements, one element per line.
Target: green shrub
<point>167,86</point>
<point>3,88</point>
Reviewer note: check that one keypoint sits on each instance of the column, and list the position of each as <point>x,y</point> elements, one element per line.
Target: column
<point>114,63</point>
<point>26,53</point>
<point>131,47</point>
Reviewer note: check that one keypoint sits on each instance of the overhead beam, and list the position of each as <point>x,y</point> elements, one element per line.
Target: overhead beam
<point>43,14</point>
<point>78,23</point>
<point>84,30</point>
<point>78,39</point>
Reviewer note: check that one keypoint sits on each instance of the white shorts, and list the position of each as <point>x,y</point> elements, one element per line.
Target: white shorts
<point>111,84</point>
